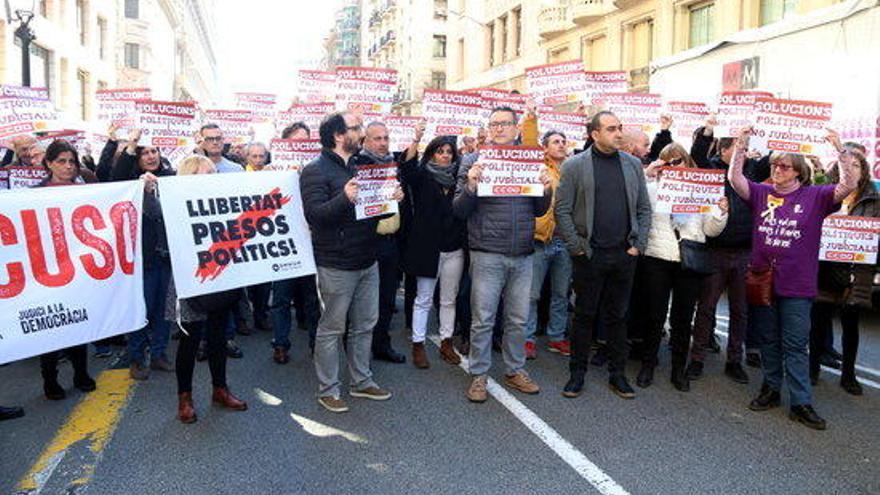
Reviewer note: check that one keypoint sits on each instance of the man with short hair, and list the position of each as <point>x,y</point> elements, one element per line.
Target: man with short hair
<point>604,214</point>
<point>26,150</point>
<point>255,155</point>
<point>636,143</point>
<point>296,130</point>
<point>345,254</point>
<point>500,237</point>
<point>211,144</point>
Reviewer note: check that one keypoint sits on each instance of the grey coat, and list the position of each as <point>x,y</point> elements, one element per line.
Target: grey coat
<point>575,197</point>
<point>497,225</point>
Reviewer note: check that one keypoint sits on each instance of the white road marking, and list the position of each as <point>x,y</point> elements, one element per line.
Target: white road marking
<point>562,447</point>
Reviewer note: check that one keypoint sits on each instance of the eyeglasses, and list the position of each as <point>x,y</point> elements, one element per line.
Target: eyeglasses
<point>501,123</point>
<point>676,162</point>
<point>354,127</point>
<point>781,166</point>
<point>214,139</point>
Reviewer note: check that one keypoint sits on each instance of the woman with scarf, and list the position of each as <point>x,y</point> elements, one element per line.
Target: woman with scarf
<point>435,241</point>
<point>136,161</point>
<point>787,219</point>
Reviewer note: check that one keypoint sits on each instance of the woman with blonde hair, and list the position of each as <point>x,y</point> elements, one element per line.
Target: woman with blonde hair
<point>675,241</point>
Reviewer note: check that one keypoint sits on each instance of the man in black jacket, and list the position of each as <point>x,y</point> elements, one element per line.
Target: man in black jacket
<point>345,253</point>
<point>729,252</point>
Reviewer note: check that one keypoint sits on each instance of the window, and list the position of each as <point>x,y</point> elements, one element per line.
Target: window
<point>702,25</point>
<point>440,7</point>
<point>503,22</point>
<point>438,80</point>
<point>641,46</point>
<point>42,8</point>
<point>461,64</point>
<point>595,53</point>
<point>102,38</point>
<point>517,31</point>
<point>82,79</point>
<point>81,21</point>
<point>558,55</point>
<point>491,44</point>
<point>132,9</point>
<point>439,46</point>
<point>774,10</point>
<point>132,56</point>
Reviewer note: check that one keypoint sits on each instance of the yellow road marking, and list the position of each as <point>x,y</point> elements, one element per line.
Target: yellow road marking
<point>93,420</point>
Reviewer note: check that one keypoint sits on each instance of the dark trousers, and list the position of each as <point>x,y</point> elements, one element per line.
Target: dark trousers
<point>214,332</point>
<point>258,295</point>
<point>822,322</point>
<point>463,304</point>
<point>303,292</point>
<point>388,258</point>
<point>660,280</point>
<point>606,277</point>
<point>78,356</point>
<point>730,267</point>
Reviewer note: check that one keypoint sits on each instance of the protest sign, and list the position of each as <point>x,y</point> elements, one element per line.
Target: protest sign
<point>73,267</point>
<point>401,131</point>
<point>166,124</point>
<point>235,124</point>
<point>311,114</point>
<point>26,177</point>
<point>261,104</point>
<point>366,91</point>
<point>457,113</point>
<point>599,83</point>
<point>377,184</point>
<point>791,126</point>
<point>736,109</point>
<point>116,106</point>
<point>686,116</point>
<point>315,86</point>
<point>493,98</point>
<point>293,154</point>
<point>26,111</point>
<point>688,190</point>
<point>849,239</point>
<point>224,234</point>
<point>510,171</point>
<point>557,84</point>
<point>4,178</point>
<point>572,125</point>
<point>635,110</point>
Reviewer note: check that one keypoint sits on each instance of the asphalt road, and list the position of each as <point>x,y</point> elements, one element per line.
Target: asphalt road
<point>428,438</point>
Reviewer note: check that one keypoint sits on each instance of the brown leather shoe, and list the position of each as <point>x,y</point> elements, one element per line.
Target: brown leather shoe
<point>223,397</point>
<point>419,356</point>
<point>521,382</point>
<point>186,413</point>
<point>447,352</point>
<point>477,391</point>
<point>280,355</point>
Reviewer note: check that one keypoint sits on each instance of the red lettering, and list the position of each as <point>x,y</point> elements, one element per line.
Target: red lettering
<point>16,269</point>
<point>38,255</point>
<point>118,215</point>
<point>98,272</point>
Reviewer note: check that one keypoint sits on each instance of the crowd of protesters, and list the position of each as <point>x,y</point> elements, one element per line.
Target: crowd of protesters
<point>500,270</point>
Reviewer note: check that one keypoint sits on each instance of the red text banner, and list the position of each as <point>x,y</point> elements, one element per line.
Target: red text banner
<point>510,171</point>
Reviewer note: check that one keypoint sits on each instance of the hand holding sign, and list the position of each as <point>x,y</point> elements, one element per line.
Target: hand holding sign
<point>665,122</point>
<point>545,179</point>
<point>398,193</point>
<point>351,189</point>
<point>420,131</point>
<point>833,138</point>
<point>724,205</point>
<point>473,175</point>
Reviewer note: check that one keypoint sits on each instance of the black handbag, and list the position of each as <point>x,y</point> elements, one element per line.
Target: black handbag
<point>694,255</point>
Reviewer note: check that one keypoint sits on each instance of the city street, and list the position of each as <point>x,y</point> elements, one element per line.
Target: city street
<point>125,438</point>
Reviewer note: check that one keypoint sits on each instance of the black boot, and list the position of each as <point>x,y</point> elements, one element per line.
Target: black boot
<point>84,382</point>
<point>574,386</point>
<point>646,376</point>
<point>849,384</point>
<point>679,379</point>
<point>806,415</point>
<point>53,389</point>
<point>694,370</point>
<point>767,399</point>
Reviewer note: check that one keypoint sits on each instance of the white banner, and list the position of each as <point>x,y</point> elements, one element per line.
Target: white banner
<point>25,177</point>
<point>315,86</point>
<point>456,113</point>
<point>510,171</point>
<point>376,186</point>
<point>366,90</point>
<point>401,131</point>
<point>635,110</point>
<point>116,106</point>
<point>849,239</point>
<point>166,124</point>
<point>792,126</point>
<point>261,104</point>
<point>311,114</point>
<point>224,234</point>
<point>736,109</point>
<point>687,116</point>
<point>236,124</point>
<point>72,267</point>
<point>572,125</point>
<point>26,111</point>
<point>599,83</point>
<point>557,84</point>
<point>689,190</point>
<point>293,154</point>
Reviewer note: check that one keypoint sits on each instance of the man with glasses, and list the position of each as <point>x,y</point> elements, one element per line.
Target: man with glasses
<point>211,144</point>
<point>345,254</point>
<point>500,233</point>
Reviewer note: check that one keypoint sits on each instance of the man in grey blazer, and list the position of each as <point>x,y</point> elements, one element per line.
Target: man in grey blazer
<point>603,214</point>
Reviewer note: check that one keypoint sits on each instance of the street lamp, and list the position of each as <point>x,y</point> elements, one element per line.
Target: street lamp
<point>23,12</point>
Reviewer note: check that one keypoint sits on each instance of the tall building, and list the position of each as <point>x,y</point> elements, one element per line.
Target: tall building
<point>410,38</point>
<point>168,46</point>
<point>343,44</point>
<point>73,54</point>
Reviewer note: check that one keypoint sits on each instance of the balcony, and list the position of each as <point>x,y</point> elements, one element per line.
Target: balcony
<point>375,19</point>
<point>553,21</point>
<point>387,39</point>
<point>388,8</point>
<point>586,11</point>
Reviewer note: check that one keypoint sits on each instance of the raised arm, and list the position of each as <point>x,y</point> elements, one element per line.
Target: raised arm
<point>847,164</point>
<point>735,175</point>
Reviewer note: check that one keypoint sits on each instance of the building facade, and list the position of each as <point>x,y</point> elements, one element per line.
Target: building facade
<point>343,44</point>
<point>410,38</point>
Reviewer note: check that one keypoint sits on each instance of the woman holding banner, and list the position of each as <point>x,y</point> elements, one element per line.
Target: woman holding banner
<point>781,282</point>
<point>134,162</point>
<point>671,267</point>
<point>845,287</point>
<point>203,316</point>
<point>435,243</point>
<point>62,163</point>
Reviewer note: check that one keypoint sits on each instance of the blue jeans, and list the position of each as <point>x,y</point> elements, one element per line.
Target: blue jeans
<point>784,328</point>
<point>493,276</point>
<point>554,258</point>
<point>156,280</point>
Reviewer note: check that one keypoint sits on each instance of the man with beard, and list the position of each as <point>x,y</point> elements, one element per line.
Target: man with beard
<point>345,254</point>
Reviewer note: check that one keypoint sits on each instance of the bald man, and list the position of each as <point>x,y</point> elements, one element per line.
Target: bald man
<point>636,143</point>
